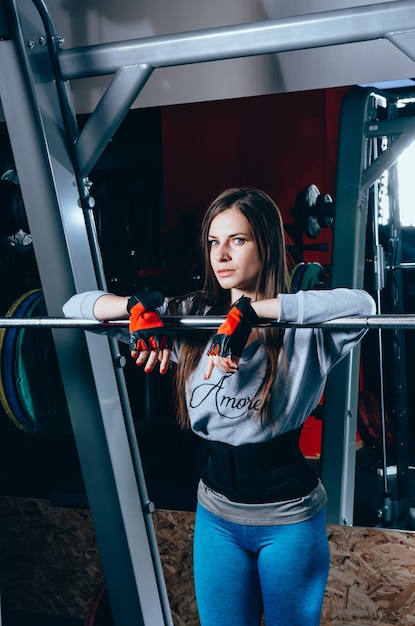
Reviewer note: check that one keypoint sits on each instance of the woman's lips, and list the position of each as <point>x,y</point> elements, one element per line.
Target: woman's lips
<point>224,273</point>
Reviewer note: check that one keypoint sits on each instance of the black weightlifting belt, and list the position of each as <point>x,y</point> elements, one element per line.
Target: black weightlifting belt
<point>270,471</point>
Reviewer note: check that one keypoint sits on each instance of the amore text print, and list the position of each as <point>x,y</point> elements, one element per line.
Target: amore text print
<point>231,407</point>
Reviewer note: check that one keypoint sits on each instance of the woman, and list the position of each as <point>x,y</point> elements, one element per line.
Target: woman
<point>260,531</point>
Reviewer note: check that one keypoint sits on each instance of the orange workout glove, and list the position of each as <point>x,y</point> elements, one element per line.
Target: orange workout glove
<point>233,334</point>
<point>146,328</point>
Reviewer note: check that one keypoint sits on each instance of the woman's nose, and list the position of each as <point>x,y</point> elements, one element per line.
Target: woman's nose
<point>222,252</point>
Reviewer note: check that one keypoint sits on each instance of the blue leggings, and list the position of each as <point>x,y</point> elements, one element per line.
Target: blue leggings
<point>242,570</point>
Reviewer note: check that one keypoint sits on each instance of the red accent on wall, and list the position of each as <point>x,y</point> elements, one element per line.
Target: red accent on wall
<point>279,143</point>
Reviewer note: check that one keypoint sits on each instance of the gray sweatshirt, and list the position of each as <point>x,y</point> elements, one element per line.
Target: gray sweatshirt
<point>224,407</point>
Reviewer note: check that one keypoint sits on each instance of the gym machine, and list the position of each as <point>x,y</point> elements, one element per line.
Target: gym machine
<point>374,131</point>
<point>53,160</point>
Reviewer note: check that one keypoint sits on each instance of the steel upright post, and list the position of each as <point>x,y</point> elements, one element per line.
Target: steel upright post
<point>58,216</point>
<point>348,263</point>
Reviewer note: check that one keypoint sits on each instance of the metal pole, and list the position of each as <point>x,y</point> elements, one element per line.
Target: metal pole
<point>340,26</point>
<point>177,324</point>
<point>143,55</point>
<point>92,379</point>
<point>338,459</point>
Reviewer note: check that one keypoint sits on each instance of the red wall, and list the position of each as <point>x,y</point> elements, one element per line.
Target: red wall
<point>279,143</point>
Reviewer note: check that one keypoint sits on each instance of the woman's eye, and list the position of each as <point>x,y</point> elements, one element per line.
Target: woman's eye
<point>213,242</point>
<point>239,240</point>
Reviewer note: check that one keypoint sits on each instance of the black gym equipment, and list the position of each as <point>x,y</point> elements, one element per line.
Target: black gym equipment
<point>311,275</point>
<point>31,389</point>
<point>313,211</point>
<point>14,229</point>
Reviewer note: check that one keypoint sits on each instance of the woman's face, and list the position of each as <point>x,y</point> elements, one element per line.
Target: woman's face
<point>234,253</point>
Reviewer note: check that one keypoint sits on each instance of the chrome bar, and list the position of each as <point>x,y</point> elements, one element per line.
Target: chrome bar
<point>340,26</point>
<point>195,322</point>
<point>401,266</point>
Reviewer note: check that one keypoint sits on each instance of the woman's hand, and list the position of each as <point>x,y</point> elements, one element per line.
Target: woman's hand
<point>228,365</point>
<point>150,358</point>
<point>149,342</point>
<point>232,335</point>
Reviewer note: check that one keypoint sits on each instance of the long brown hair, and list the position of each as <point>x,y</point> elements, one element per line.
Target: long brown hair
<point>267,227</point>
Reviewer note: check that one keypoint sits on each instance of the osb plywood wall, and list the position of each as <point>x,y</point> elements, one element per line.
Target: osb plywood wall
<point>50,563</point>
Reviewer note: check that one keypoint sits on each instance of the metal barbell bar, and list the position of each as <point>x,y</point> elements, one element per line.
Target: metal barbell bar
<point>174,323</point>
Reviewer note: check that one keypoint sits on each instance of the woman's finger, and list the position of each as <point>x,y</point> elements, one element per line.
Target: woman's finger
<point>209,368</point>
<point>225,364</point>
<point>140,356</point>
<point>152,360</point>
<point>164,358</point>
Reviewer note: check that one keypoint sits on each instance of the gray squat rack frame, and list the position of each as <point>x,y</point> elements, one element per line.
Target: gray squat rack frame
<point>53,160</point>
<point>360,165</point>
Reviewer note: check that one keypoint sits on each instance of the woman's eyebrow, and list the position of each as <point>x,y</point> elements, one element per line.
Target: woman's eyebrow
<point>231,235</point>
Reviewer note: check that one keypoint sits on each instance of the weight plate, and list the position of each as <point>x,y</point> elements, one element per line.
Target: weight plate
<point>311,227</point>
<point>314,277</point>
<point>8,398</point>
<point>308,276</point>
<point>37,307</point>
<point>9,370</point>
<point>38,378</point>
<point>296,276</point>
<point>13,223</point>
<point>31,389</point>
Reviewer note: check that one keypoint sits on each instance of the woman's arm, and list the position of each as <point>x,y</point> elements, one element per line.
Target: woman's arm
<point>96,304</point>
<point>267,309</point>
<point>237,331</point>
<point>309,307</point>
<point>305,307</point>
<point>103,306</point>
<point>110,307</point>
<point>142,350</point>
<point>82,306</point>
